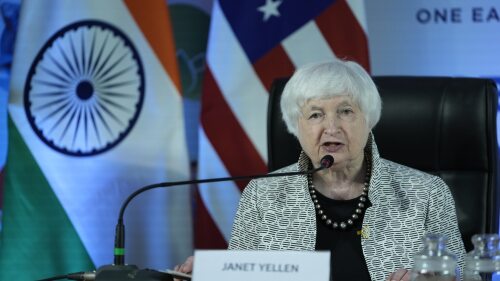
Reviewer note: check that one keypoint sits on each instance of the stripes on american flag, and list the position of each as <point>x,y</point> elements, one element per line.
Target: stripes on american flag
<point>245,54</point>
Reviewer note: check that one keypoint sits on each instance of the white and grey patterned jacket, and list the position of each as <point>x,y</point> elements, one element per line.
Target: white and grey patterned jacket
<point>278,214</point>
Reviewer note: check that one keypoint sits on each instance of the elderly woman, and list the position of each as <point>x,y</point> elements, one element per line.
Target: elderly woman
<point>370,213</point>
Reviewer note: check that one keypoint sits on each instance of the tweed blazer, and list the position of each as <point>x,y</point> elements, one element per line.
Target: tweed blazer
<point>278,214</point>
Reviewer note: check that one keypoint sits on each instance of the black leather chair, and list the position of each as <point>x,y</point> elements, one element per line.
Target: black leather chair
<point>441,125</point>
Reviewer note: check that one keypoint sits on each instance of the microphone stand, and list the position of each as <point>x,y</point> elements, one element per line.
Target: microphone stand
<point>119,271</point>
<point>119,251</point>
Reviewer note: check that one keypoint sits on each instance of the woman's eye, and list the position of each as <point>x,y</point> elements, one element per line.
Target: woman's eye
<point>346,111</point>
<point>315,115</point>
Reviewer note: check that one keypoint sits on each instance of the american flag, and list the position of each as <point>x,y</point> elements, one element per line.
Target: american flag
<point>250,44</point>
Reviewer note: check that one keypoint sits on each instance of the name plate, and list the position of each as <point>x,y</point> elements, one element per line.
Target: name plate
<point>224,265</point>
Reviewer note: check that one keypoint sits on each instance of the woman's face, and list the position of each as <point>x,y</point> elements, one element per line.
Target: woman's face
<point>334,126</point>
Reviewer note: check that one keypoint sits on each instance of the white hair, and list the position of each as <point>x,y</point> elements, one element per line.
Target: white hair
<point>326,80</point>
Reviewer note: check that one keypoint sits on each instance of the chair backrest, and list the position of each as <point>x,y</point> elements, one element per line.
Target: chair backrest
<point>442,125</point>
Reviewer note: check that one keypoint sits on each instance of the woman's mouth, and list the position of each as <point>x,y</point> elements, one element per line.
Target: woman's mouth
<point>332,147</point>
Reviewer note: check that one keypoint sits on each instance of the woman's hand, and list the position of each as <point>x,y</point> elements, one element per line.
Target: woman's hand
<point>186,267</point>
<point>400,275</point>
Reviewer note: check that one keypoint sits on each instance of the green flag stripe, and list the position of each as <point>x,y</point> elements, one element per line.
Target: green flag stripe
<point>37,240</point>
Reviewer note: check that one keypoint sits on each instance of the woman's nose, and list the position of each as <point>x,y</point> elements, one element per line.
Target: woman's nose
<point>331,124</point>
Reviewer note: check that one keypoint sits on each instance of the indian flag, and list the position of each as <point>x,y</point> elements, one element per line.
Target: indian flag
<point>95,112</point>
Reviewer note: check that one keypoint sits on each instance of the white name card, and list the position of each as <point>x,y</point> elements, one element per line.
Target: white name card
<point>224,265</point>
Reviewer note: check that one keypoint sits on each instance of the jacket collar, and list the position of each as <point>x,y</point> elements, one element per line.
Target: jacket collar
<point>376,176</point>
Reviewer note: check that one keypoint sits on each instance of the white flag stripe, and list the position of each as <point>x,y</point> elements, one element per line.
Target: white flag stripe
<point>307,45</point>
<point>221,199</point>
<point>242,89</point>
<point>358,9</point>
<point>92,189</point>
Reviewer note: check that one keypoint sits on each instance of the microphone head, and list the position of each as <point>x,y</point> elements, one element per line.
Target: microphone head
<point>326,162</point>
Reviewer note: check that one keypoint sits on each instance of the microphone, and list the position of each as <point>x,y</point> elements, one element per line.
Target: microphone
<point>119,251</point>
<point>326,162</point>
<point>120,271</point>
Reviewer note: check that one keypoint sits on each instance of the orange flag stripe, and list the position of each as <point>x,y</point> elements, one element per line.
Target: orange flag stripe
<point>153,18</point>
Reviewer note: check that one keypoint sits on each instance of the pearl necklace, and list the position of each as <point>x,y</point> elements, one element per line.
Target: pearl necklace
<point>345,224</point>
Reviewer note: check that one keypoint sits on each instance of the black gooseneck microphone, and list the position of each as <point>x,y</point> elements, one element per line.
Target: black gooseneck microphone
<point>119,253</point>
<point>116,270</point>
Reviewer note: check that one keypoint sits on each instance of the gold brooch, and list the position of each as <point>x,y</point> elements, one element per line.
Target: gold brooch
<point>364,232</point>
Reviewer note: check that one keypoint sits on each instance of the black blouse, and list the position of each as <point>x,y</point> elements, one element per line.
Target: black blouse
<point>347,260</point>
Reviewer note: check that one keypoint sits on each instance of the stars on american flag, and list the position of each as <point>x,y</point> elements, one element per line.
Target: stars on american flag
<point>270,9</point>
